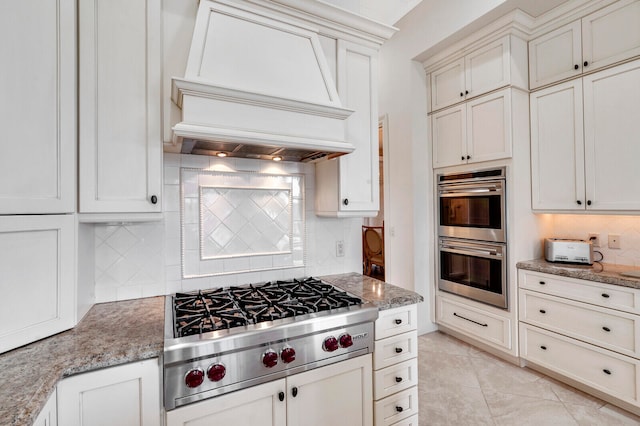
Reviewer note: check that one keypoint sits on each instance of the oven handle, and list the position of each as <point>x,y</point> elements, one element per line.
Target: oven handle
<point>466,250</point>
<point>467,192</point>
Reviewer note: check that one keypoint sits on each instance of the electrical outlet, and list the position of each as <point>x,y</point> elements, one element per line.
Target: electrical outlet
<point>339,248</point>
<point>614,241</point>
<point>594,237</point>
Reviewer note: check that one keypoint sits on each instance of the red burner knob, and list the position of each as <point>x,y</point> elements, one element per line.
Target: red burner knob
<point>216,372</point>
<point>288,355</point>
<point>194,378</point>
<point>330,344</point>
<point>346,340</point>
<point>270,358</point>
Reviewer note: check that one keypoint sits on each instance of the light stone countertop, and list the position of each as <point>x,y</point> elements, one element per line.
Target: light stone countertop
<point>604,273</point>
<point>117,333</point>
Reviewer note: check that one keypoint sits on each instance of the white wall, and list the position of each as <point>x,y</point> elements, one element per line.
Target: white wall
<point>143,259</point>
<point>409,210</point>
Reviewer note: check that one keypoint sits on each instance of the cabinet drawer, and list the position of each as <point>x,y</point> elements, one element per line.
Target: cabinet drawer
<point>477,323</point>
<point>609,296</point>
<point>397,407</point>
<point>393,350</point>
<point>601,369</point>
<point>411,421</point>
<point>396,321</point>
<point>610,329</point>
<point>395,378</point>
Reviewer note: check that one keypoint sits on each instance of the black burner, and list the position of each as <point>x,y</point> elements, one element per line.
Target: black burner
<point>224,308</point>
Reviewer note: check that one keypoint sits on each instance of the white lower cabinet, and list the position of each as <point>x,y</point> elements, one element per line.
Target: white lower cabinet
<point>48,415</point>
<point>126,395</point>
<point>584,332</point>
<point>339,393</point>
<point>395,364</point>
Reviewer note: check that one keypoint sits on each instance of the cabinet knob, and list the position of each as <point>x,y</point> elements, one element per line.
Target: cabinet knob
<point>605,295</point>
<point>399,409</point>
<point>154,199</point>
<point>398,350</point>
<point>607,329</point>
<point>461,94</point>
<point>542,282</point>
<point>588,202</point>
<point>579,202</point>
<point>462,158</point>
<point>576,66</point>
<point>398,379</point>
<point>398,321</point>
<point>542,311</point>
<point>345,201</point>
<point>466,92</point>
<point>586,63</point>
<point>468,157</point>
<point>543,347</point>
<point>607,371</point>
<point>281,396</point>
<point>294,391</point>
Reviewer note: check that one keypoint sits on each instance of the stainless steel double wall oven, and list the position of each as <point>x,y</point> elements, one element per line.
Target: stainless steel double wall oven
<point>473,235</point>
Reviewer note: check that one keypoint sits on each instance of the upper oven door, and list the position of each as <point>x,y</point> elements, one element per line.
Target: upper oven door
<point>472,210</point>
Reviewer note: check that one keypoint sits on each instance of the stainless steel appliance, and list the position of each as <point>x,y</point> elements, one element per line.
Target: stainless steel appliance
<point>222,340</point>
<point>473,269</point>
<point>472,205</point>
<point>568,251</point>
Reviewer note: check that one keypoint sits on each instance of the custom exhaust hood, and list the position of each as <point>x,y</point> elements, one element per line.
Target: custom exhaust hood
<point>257,85</point>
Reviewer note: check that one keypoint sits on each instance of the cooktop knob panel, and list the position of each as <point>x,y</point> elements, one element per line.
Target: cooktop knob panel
<point>270,358</point>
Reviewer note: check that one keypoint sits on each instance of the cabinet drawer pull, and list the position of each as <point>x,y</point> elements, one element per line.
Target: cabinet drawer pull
<point>281,396</point>
<point>606,371</point>
<point>294,391</point>
<point>398,321</point>
<point>543,347</point>
<point>398,379</point>
<point>579,202</point>
<point>605,295</point>
<point>542,311</point>
<point>607,329</point>
<point>398,350</point>
<point>399,409</point>
<point>541,282</point>
<point>470,320</point>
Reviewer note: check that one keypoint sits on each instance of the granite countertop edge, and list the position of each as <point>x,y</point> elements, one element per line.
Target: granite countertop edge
<point>603,273</point>
<point>90,355</point>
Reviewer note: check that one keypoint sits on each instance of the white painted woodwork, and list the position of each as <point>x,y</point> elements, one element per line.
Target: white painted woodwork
<point>349,185</point>
<point>483,325</point>
<point>392,322</point>
<point>582,362</point>
<point>557,147</point>
<point>125,395</point>
<point>409,421</point>
<point>611,116</point>
<point>38,112</point>
<point>120,146</point>
<point>387,412</point>
<point>497,64</point>
<point>48,415</point>
<point>395,378</point>
<point>600,39</point>
<point>617,331</point>
<point>620,298</point>
<point>341,393</point>
<point>395,349</point>
<point>253,406</point>
<point>48,243</point>
<point>475,131</point>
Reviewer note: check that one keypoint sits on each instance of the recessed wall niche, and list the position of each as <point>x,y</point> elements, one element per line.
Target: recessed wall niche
<point>240,221</point>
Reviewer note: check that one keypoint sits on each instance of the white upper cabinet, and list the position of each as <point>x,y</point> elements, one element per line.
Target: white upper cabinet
<point>607,36</point>
<point>349,185</point>
<point>38,107</point>
<point>590,164</point>
<point>498,64</point>
<point>120,116</point>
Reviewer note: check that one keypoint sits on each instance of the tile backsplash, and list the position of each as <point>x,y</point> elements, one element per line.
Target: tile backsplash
<point>580,226</point>
<point>144,259</point>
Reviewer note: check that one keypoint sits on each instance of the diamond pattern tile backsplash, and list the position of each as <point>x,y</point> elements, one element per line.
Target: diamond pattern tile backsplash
<point>145,259</point>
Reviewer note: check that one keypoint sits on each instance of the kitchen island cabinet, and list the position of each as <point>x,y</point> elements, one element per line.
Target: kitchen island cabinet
<point>48,415</point>
<point>120,132</point>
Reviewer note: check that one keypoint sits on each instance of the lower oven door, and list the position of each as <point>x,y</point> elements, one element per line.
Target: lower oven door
<point>474,269</point>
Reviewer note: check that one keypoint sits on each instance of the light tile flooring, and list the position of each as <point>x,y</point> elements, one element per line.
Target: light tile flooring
<point>462,385</point>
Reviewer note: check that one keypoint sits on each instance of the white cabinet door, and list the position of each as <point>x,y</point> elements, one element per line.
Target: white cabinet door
<point>487,68</point>
<point>611,34</point>
<point>449,136</point>
<point>38,272</point>
<point>126,395</point>
<point>489,127</point>
<point>350,184</point>
<point>120,119</point>
<point>48,415</point>
<point>258,405</point>
<point>555,56</point>
<point>447,85</point>
<point>557,148</point>
<point>611,127</point>
<point>38,107</point>
<point>339,394</point>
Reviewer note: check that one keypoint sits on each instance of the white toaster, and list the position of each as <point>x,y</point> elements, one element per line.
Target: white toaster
<point>569,251</point>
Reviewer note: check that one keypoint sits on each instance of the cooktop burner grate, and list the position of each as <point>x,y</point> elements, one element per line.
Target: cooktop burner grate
<point>224,308</point>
